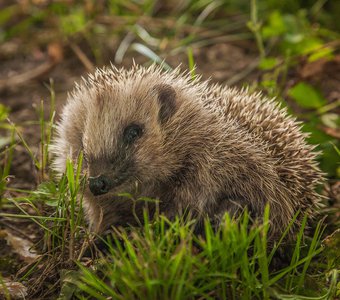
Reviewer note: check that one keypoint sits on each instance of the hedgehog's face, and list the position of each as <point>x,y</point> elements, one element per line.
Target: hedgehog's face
<point>123,139</point>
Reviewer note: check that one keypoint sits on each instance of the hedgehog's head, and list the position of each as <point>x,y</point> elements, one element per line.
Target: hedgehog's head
<point>124,135</point>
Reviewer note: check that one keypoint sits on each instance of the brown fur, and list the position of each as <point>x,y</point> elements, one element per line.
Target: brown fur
<point>205,148</point>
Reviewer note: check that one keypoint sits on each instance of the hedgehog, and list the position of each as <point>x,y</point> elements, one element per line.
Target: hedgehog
<point>194,146</point>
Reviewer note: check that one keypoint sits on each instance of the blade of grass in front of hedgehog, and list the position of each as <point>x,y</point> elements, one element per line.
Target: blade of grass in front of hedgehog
<point>296,254</point>
<point>61,234</point>
<point>291,271</point>
<point>313,248</point>
<point>129,264</point>
<point>222,251</point>
<point>54,242</point>
<point>74,184</point>
<point>261,246</point>
<point>284,234</point>
<point>248,262</point>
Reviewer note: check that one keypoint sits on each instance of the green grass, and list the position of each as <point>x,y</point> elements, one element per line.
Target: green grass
<point>7,141</point>
<point>166,260</point>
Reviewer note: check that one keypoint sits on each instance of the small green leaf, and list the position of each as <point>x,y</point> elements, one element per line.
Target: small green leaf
<point>73,23</point>
<point>276,25</point>
<point>268,63</point>
<point>326,52</point>
<point>306,96</point>
<point>3,112</point>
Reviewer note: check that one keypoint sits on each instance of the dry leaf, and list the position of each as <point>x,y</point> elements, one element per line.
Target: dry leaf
<point>22,247</point>
<point>15,290</point>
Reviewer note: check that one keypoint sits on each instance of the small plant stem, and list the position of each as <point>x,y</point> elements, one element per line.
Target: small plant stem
<point>255,27</point>
<point>328,107</point>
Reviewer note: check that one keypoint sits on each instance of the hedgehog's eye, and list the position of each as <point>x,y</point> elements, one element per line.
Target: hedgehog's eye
<point>132,132</point>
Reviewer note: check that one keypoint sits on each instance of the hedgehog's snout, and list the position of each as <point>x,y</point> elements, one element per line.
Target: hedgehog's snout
<point>99,185</point>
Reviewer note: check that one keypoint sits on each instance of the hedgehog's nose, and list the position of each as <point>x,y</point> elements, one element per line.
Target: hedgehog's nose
<point>99,185</point>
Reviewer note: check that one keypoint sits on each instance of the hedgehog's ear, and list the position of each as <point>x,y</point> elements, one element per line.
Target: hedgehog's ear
<point>167,99</point>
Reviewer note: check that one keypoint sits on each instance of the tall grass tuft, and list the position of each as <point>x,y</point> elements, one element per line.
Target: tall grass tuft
<point>167,260</point>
